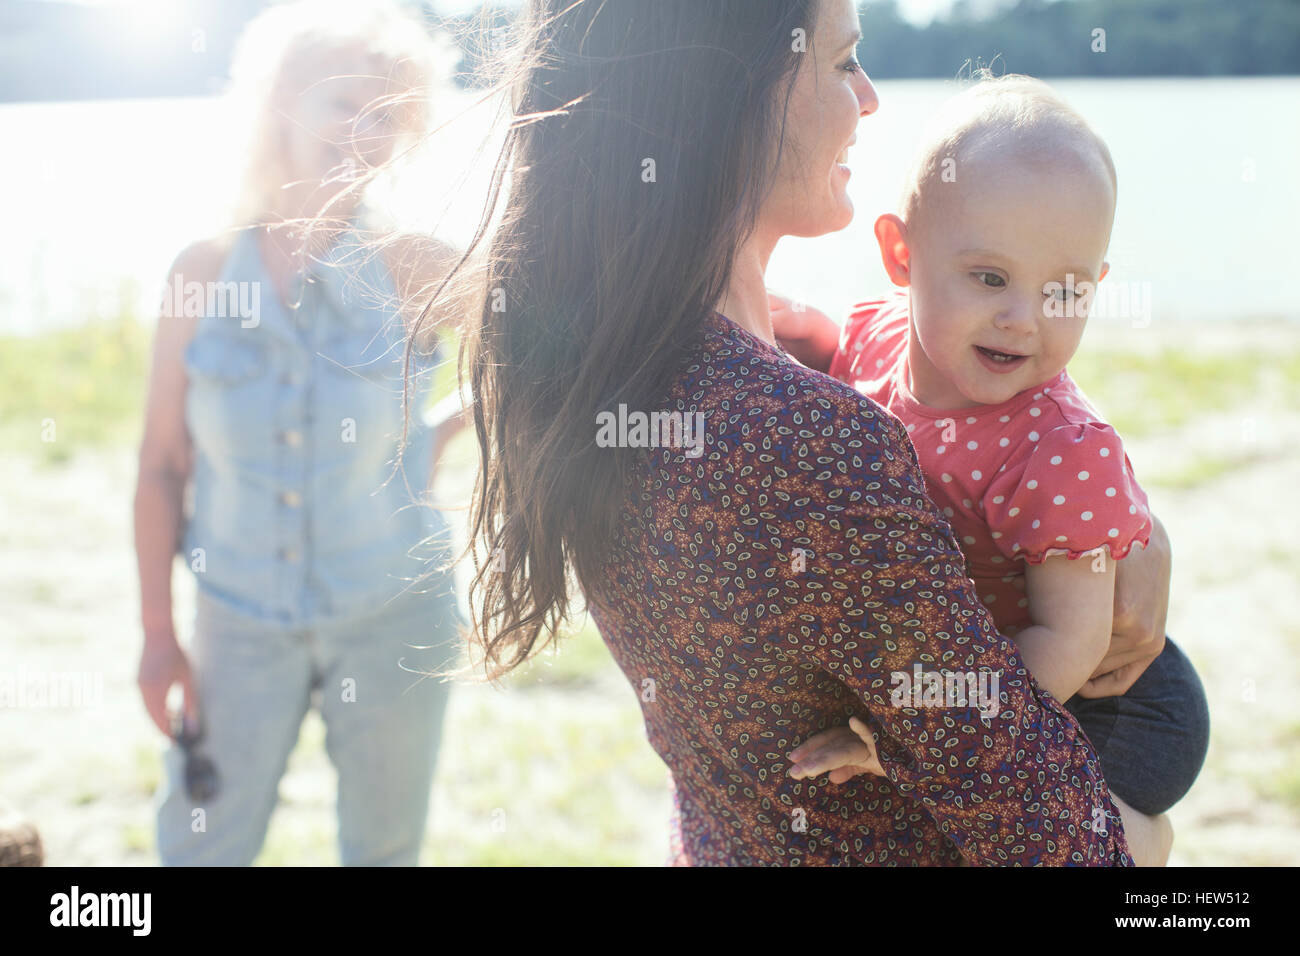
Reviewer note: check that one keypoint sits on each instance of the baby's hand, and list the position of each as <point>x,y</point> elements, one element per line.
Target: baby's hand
<point>844,751</point>
<point>808,334</point>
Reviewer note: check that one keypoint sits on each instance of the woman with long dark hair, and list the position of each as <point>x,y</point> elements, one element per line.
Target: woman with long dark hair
<point>752,538</point>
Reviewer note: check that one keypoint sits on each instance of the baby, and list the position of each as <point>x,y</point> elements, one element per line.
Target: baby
<point>999,244</point>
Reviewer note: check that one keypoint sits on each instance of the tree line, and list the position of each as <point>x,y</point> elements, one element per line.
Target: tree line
<point>1047,38</point>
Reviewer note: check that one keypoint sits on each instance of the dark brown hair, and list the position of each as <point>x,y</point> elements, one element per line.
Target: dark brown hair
<point>644,139</point>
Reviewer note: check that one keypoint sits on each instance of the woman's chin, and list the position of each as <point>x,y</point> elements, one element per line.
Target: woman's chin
<point>839,213</point>
<point>843,214</point>
<point>831,216</point>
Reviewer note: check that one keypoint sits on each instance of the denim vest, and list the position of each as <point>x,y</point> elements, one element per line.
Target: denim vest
<point>301,512</point>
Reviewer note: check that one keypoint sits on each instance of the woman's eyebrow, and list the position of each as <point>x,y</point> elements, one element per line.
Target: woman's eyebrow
<point>851,40</point>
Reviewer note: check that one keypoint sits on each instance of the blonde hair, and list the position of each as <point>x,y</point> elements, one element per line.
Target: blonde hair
<point>1012,113</point>
<point>288,47</point>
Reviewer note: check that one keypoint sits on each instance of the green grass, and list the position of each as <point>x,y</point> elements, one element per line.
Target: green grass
<point>1144,394</point>
<point>569,775</point>
<point>137,838</point>
<point>310,845</point>
<point>1284,786</point>
<point>146,770</point>
<point>1201,470</point>
<point>578,657</point>
<point>530,849</point>
<point>72,388</point>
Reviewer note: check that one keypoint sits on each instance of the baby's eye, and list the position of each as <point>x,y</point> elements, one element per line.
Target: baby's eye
<point>990,279</point>
<point>1062,294</point>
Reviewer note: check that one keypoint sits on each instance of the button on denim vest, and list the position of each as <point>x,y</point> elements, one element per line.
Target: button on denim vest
<point>301,510</point>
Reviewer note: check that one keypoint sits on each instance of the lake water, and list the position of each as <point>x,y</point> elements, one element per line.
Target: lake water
<point>100,196</point>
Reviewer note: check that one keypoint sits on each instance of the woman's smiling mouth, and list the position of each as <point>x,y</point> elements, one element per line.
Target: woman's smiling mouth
<point>842,160</point>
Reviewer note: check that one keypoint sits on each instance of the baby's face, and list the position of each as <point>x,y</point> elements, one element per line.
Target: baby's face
<point>998,263</point>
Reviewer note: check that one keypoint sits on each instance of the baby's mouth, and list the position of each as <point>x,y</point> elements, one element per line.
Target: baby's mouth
<point>1008,359</point>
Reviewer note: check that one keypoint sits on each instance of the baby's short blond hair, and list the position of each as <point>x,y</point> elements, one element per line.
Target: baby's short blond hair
<point>1011,116</point>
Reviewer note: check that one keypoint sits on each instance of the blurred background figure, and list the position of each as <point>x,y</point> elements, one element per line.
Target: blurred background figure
<point>277,401</point>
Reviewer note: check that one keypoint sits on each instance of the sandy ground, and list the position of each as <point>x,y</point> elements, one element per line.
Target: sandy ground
<point>86,773</point>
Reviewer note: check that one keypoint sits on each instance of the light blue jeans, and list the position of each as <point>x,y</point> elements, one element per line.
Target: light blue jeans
<point>383,724</point>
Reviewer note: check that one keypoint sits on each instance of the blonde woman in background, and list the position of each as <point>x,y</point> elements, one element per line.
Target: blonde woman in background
<point>318,566</point>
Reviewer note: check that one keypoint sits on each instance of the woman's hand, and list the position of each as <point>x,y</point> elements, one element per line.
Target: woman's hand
<point>808,334</point>
<point>163,664</point>
<point>1141,607</point>
<point>844,751</point>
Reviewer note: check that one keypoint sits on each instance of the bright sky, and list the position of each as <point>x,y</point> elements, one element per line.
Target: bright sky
<point>922,12</point>
<point>919,12</point>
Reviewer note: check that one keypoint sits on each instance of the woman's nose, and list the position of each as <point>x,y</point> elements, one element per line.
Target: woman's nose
<point>867,99</point>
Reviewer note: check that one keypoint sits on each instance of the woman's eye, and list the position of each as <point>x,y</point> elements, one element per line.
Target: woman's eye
<point>853,66</point>
<point>990,279</point>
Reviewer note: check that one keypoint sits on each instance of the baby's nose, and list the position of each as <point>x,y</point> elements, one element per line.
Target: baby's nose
<point>1017,315</point>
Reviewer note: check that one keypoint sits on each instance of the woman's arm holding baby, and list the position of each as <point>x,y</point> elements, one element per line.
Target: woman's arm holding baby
<point>1141,608</point>
<point>1071,604</point>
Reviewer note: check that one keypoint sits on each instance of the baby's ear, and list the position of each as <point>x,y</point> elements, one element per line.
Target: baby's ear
<point>891,234</point>
<point>1105,267</point>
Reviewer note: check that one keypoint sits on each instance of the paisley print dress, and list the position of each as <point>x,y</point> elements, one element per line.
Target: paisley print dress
<point>795,574</point>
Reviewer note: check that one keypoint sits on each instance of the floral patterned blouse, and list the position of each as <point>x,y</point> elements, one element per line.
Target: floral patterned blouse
<point>795,574</point>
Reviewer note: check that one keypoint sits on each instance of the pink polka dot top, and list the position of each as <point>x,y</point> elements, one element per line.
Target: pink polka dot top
<point>1040,474</point>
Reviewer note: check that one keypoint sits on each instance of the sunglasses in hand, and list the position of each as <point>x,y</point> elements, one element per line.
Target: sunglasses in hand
<point>200,772</point>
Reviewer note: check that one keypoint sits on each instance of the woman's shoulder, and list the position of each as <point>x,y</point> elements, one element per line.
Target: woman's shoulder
<point>200,264</point>
<point>203,259</point>
<point>731,366</point>
<point>768,417</point>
